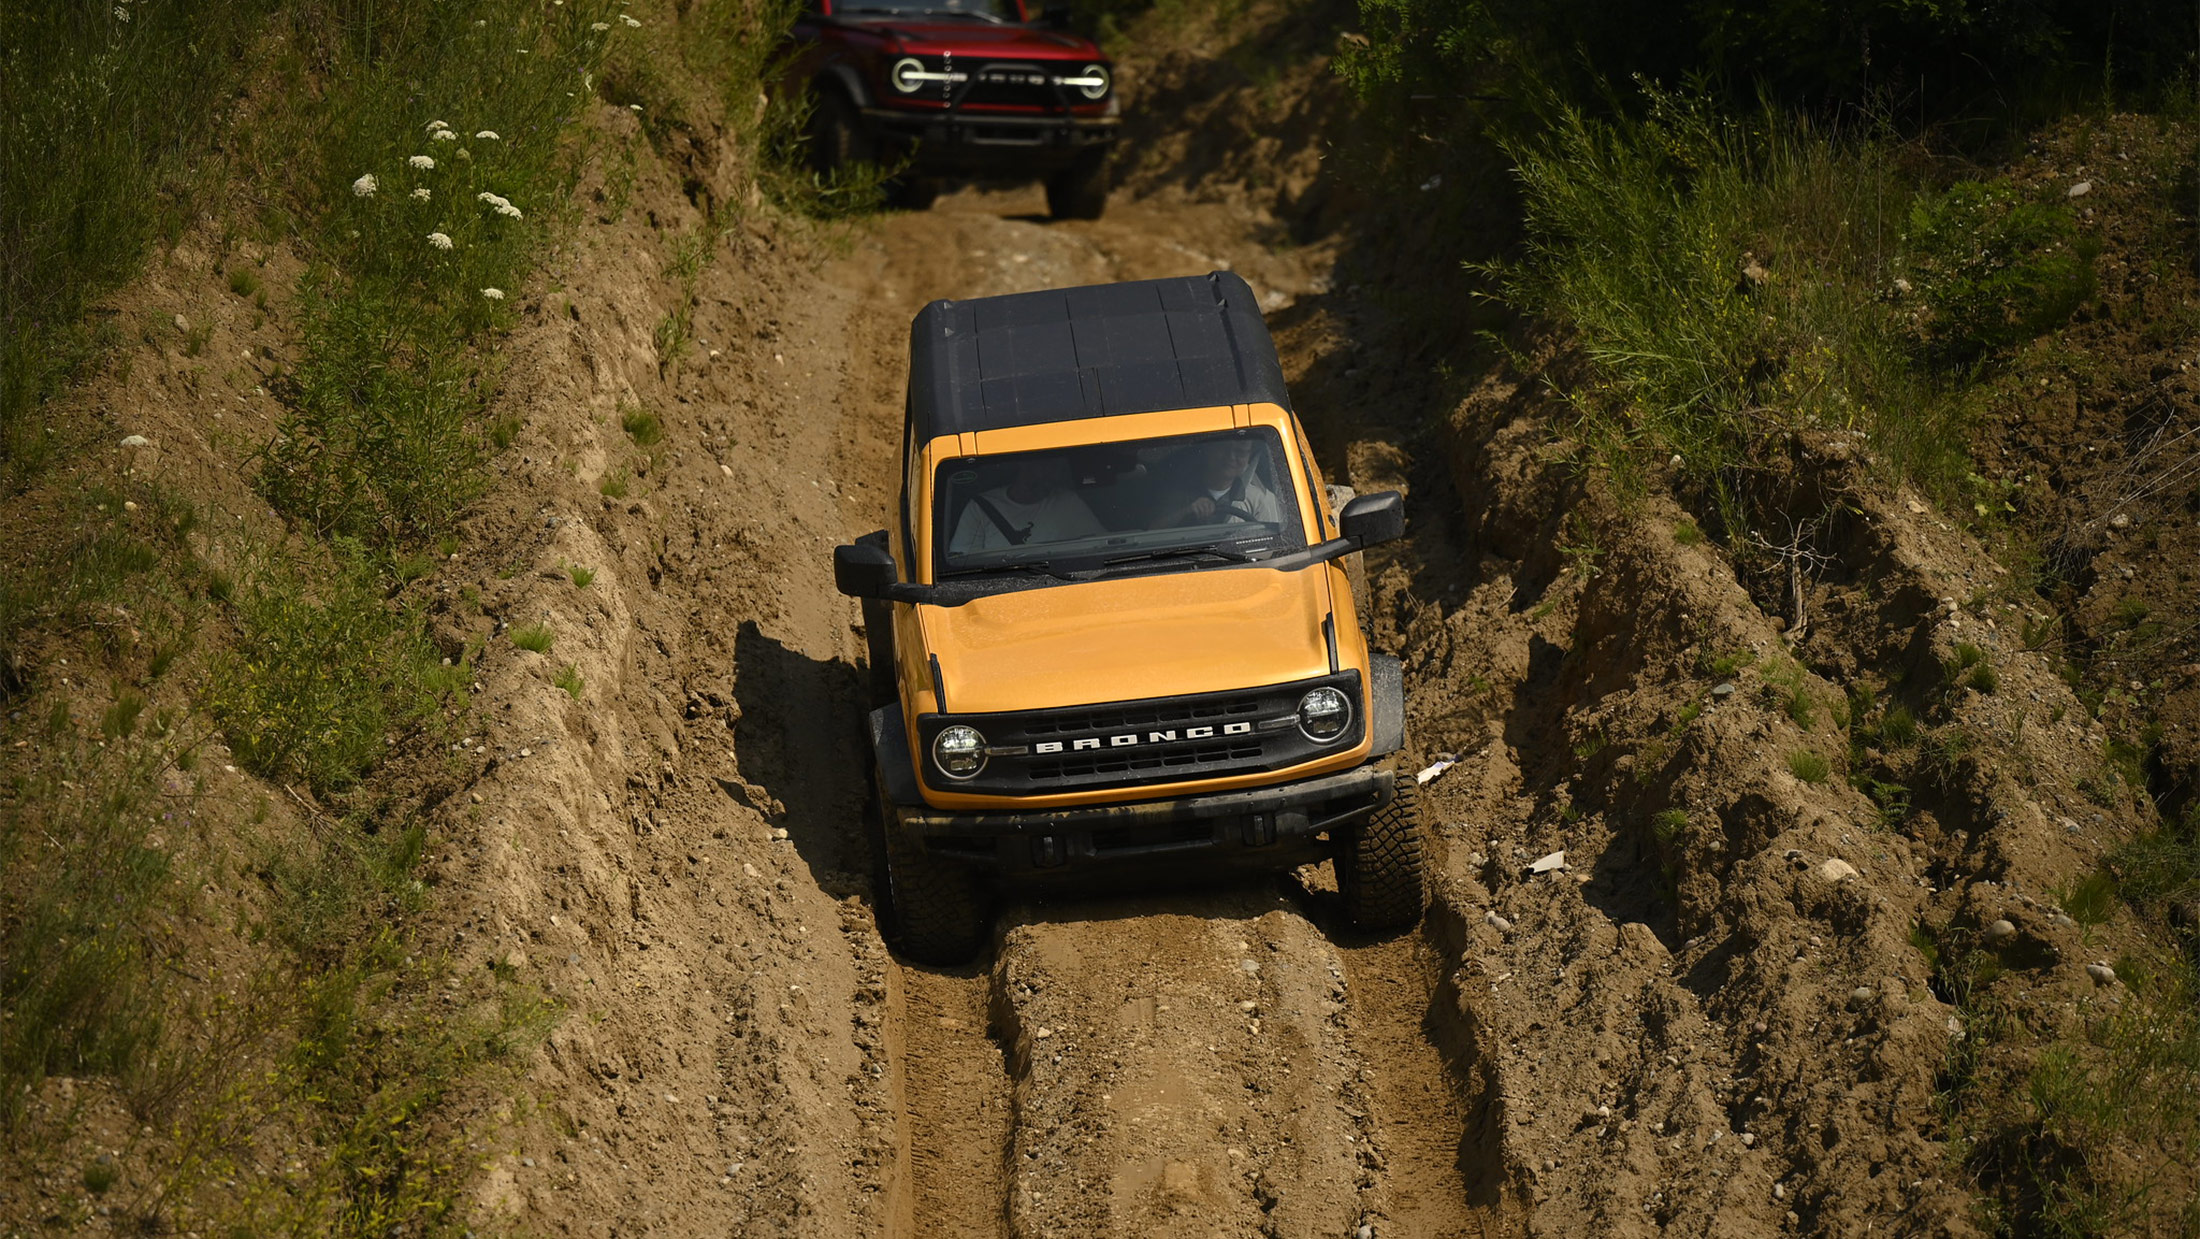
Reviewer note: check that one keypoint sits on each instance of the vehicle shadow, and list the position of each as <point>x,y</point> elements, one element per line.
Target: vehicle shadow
<point>799,738</point>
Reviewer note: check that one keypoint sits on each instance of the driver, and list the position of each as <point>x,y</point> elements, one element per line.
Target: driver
<point>1224,491</point>
<point>1037,506</point>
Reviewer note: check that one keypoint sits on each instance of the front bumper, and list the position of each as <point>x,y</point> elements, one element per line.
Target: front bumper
<point>1254,828</point>
<point>978,142</point>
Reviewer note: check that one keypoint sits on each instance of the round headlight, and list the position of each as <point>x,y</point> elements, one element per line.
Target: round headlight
<point>1324,714</point>
<point>959,752</point>
<point>906,75</point>
<point>1093,81</point>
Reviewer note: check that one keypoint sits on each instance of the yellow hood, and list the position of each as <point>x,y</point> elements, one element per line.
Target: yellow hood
<point>1124,639</point>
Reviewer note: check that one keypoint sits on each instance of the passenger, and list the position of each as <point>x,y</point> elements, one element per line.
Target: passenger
<point>1225,490</point>
<point>1037,507</point>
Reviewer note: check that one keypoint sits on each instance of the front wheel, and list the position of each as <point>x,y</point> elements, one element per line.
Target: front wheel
<point>837,139</point>
<point>1382,870</point>
<point>937,912</point>
<point>1080,191</point>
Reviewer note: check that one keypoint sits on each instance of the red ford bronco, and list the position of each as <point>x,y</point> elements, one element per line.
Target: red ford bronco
<point>1112,626</point>
<point>958,88</point>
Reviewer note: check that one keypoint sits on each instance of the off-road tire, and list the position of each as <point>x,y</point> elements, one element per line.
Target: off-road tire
<point>1382,871</point>
<point>937,912</point>
<point>1080,191</point>
<point>837,139</point>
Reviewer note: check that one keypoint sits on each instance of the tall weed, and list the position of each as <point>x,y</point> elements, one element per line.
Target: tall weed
<point>1734,280</point>
<point>322,672</point>
<point>105,108</point>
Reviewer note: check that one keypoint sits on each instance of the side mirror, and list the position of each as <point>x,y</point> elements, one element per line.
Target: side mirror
<point>1369,519</point>
<point>864,570</point>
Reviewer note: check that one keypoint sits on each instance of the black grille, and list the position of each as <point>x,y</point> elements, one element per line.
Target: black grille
<point>1020,85</point>
<point>1134,743</point>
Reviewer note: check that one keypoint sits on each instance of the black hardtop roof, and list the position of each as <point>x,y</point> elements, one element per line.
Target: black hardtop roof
<point>1138,347</point>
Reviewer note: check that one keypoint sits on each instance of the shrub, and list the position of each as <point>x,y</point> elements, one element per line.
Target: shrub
<point>319,674</point>
<point>1993,268</point>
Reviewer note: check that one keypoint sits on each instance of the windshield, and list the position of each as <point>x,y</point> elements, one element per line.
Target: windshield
<point>982,10</point>
<point>1144,505</point>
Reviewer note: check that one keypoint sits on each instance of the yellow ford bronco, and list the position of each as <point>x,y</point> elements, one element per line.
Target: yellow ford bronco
<point>1112,626</point>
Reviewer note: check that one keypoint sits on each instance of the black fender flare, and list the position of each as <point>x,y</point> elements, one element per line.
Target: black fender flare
<point>843,75</point>
<point>1387,698</point>
<point>890,749</point>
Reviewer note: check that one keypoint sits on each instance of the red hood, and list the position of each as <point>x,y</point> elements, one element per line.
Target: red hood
<point>971,38</point>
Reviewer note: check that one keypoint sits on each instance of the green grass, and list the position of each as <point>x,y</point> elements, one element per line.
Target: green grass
<point>1686,533</point>
<point>321,674</point>
<point>614,484</point>
<point>1808,766</point>
<point>569,679</point>
<point>536,637</point>
<point>641,426</point>
<point>104,129</point>
<point>1732,281</point>
<point>580,576</point>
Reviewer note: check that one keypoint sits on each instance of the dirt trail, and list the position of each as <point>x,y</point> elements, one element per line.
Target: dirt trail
<point>744,1056</point>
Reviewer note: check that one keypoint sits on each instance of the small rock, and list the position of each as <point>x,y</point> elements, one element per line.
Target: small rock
<point>182,323</point>
<point>1043,1034</point>
<point>1862,994</point>
<point>136,441</point>
<point>1676,461</point>
<point>1759,1028</point>
<point>1749,1140</point>
<point>779,834</point>
<point>1365,1231</point>
<point>1999,932</point>
<point>2120,521</point>
<point>1547,864</point>
<point>2079,190</point>
<point>1779,1192</point>
<point>1248,1005</point>
<point>1834,869</point>
<point>1916,508</point>
<point>2101,973</point>
<point>1496,922</point>
<point>1249,966</point>
<point>527,1161</point>
<point>2061,921</point>
<point>1723,690</point>
<point>1434,771</point>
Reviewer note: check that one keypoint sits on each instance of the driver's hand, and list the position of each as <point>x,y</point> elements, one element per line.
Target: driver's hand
<point>1202,507</point>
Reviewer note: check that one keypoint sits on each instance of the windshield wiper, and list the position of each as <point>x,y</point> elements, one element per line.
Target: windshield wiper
<point>1216,549</point>
<point>1037,567</point>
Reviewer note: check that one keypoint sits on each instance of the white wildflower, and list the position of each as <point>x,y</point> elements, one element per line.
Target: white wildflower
<point>121,14</point>
<point>493,294</point>
<point>422,194</point>
<point>630,21</point>
<point>365,186</point>
<point>508,211</point>
<point>435,125</point>
<point>599,27</point>
<point>489,135</point>
<point>422,162</point>
<point>439,241</point>
<point>443,135</point>
<point>490,198</point>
